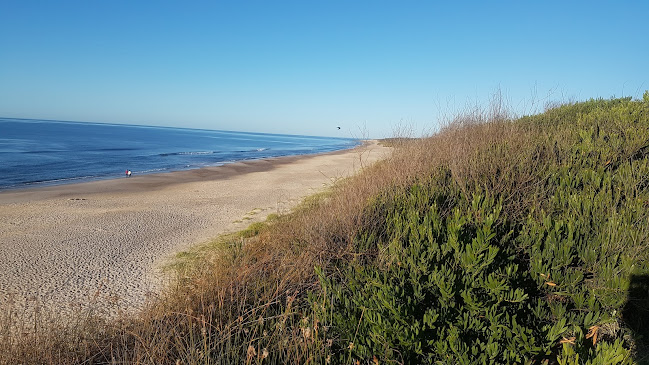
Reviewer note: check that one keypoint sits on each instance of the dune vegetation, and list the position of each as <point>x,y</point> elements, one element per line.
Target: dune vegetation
<point>496,240</point>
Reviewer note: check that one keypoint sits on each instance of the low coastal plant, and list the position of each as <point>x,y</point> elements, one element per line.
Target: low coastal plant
<point>481,278</point>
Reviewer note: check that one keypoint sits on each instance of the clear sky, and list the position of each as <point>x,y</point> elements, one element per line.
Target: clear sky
<point>306,67</point>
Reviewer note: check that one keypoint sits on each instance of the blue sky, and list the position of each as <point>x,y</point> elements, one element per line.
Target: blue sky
<point>305,67</point>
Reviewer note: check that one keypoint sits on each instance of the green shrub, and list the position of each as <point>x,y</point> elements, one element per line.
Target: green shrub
<point>444,289</point>
<point>461,273</point>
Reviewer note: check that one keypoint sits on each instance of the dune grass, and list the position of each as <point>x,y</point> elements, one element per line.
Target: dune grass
<point>495,240</point>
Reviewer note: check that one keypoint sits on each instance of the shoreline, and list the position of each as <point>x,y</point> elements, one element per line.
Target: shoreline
<point>67,244</point>
<point>190,174</point>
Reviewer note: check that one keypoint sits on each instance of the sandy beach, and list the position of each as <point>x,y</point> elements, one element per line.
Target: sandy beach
<point>64,245</point>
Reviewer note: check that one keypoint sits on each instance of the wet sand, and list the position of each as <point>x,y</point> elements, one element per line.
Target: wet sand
<point>65,245</point>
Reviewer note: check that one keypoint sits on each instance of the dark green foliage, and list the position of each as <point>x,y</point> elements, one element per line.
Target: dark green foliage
<point>444,289</point>
<point>462,273</point>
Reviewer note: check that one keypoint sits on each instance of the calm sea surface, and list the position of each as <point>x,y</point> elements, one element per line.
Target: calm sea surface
<point>36,152</point>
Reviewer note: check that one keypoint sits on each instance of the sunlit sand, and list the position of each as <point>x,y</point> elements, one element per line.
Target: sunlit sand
<point>65,245</point>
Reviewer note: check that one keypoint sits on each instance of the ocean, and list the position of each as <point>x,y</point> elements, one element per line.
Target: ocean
<point>38,152</point>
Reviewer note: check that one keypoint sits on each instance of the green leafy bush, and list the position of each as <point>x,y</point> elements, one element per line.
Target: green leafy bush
<point>459,273</point>
<point>444,289</point>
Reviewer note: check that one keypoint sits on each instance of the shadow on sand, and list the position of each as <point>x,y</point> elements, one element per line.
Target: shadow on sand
<point>636,315</point>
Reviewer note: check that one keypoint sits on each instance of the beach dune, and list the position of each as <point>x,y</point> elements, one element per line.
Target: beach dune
<point>64,245</point>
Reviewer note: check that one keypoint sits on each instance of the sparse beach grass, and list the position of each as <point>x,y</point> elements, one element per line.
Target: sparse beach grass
<point>495,240</point>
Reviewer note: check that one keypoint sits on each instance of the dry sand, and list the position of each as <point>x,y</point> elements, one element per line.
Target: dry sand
<point>64,245</point>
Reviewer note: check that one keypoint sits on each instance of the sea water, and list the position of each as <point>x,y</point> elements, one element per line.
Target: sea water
<point>38,152</point>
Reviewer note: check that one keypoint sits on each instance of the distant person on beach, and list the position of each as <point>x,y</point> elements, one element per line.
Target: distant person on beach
<point>128,173</point>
